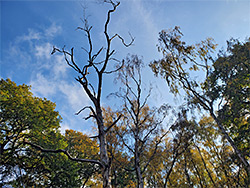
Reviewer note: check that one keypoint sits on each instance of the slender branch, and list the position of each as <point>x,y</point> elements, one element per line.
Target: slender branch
<point>93,89</point>
<point>153,154</point>
<point>94,136</point>
<point>90,116</point>
<point>113,123</point>
<point>119,68</point>
<point>129,148</point>
<point>65,152</point>
<point>123,41</point>
<point>90,107</point>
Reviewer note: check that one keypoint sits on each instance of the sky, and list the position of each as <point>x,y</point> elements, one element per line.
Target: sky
<point>30,29</point>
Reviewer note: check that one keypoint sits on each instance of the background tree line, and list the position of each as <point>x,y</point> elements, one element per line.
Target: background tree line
<point>137,145</point>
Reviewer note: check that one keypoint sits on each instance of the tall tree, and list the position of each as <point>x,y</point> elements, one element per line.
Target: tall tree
<point>141,126</point>
<point>180,59</point>
<point>99,66</point>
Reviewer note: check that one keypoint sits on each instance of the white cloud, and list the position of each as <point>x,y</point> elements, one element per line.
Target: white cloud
<point>15,54</point>
<point>60,67</point>
<point>75,95</point>
<point>32,35</point>
<point>53,30</point>
<point>48,75</point>
<point>42,34</point>
<point>43,50</point>
<point>55,64</point>
<point>42,86</point>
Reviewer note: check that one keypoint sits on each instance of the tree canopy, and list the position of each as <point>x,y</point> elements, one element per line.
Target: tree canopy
<point>204,142</point>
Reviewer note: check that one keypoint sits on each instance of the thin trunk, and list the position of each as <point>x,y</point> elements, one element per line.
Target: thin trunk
<point>186,171</point>
<point>169,172</point>
<point>205,165</point>
<point>237,151</point>
<point>197,172</point>
<point>137,164</point>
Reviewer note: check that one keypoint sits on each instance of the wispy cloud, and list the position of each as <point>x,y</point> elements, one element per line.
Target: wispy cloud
<point>43,86</point>
<point>146,17</point>
<point>32,35</point>
<point>75,95</point>
<point>48,75</point>
<point>43,51</point>
<point>52,30</point>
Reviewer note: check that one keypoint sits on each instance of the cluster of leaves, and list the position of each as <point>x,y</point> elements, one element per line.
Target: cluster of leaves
<point>23,118</point>
<point>223,93</point>
<point>230,79</point>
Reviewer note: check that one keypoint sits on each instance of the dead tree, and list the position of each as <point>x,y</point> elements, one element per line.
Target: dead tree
<point>94,93</point>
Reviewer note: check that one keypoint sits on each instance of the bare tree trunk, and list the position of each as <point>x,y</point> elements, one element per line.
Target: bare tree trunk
<point>103,151</point>
<point>137,164</point>
<point>197,172</point>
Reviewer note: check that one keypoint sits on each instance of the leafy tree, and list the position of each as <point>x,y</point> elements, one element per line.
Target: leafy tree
<point>28,119</point>
<point>229,81</point>
<point>196,156</point>
<point>225,168</point>
<point>141,128</point>
<point>180,60</point>
<point>25,117</point>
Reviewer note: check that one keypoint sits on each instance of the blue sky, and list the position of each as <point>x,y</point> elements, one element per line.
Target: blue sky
<point>29,29</point>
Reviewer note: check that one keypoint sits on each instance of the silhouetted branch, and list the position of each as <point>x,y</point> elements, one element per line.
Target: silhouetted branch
<point>89,107</point>
<point>63,151</point>
<point>123,41</point>
<point>119,117</point>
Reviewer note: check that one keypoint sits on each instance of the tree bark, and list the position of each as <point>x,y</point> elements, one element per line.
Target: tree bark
<point>237,151</point>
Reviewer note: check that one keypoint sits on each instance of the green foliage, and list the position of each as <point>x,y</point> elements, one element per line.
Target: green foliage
<point>24,117</point>
<point>230,82</point>
<point>220,86</point>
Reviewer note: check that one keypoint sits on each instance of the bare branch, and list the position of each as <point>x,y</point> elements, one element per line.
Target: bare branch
<point>155,149</point>
<point>65,152</point>
<point>71,55</point>
<point>72,60</point>
<point>96,55</point>
<point>93,89</point>
<point>94,136</point>
<point>114,123</point>
<point>146,98</point>
<point>119,68</point>
<point>85,50</point>
<point>125,144</point>
<point>123,41</point>
<point>90,107</point>
<point>90,116</point>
